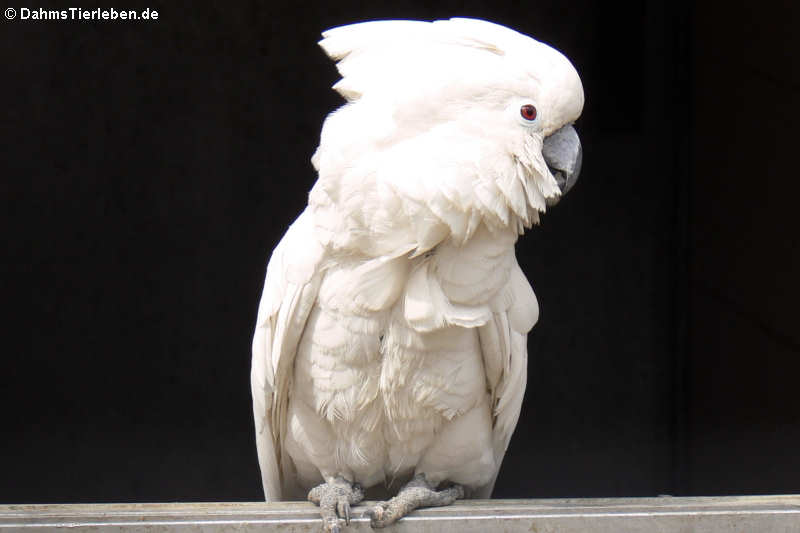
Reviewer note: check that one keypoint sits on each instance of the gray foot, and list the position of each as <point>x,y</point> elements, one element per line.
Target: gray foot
<point>334,500</point>
<point>416,493</point>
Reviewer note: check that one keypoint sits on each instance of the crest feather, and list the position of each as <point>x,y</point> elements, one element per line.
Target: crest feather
<point>370,51</point>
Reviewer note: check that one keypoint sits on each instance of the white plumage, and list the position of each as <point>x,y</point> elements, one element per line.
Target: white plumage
<point>391,334</point>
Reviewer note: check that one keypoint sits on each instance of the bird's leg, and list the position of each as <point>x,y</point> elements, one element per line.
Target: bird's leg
<point>334,499</point>
<point>416,493</point>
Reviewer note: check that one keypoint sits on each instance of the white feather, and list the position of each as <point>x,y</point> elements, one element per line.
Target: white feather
<point>391,333</point>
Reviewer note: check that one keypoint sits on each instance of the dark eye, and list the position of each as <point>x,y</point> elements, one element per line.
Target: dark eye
<point>528,112</point>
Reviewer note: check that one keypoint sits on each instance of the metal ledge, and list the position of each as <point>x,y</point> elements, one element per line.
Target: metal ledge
<point>736,514</point>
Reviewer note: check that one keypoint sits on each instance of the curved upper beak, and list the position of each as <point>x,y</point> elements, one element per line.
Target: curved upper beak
<point>563,154</point>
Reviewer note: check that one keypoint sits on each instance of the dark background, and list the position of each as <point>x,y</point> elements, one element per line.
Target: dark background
<point>150,167</point>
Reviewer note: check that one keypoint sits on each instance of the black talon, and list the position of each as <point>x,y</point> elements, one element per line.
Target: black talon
<point>334,499</point>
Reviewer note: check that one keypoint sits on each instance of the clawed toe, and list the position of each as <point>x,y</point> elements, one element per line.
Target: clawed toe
<point>331,525</point>
<point>416,493</point>
<point>377,515</point>
<point>337,496</point>
<point>334,500</point>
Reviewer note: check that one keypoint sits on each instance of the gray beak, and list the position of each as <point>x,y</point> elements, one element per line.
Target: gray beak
<point>563,154</point>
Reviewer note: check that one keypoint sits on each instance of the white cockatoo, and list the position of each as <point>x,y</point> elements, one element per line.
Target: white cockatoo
<point>390,348</point>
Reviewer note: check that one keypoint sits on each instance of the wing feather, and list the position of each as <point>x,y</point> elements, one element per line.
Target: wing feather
<point>290,290</point>
<point>505,356</point>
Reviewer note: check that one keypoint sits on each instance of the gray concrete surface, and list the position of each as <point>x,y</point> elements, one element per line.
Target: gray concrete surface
<point>762,514</point>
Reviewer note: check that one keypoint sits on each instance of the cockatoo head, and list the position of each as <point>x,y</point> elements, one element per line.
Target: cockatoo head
<point>461,112</point>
